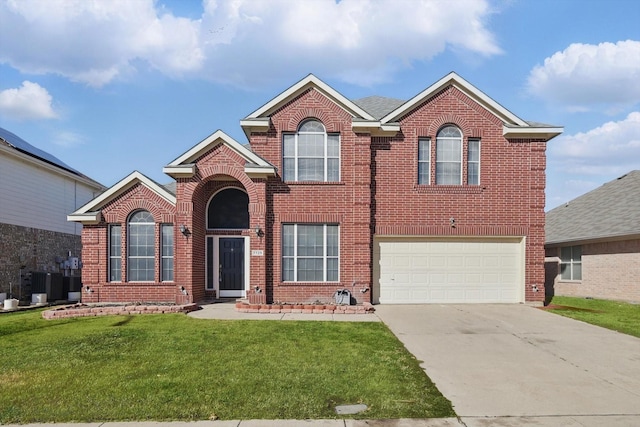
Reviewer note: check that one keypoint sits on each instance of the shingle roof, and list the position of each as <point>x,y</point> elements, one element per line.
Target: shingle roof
<point>610,211</point>
<point>378,106</point>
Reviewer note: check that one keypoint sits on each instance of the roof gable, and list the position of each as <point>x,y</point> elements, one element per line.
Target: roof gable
<point>184,165</point>
<point>611,211</point>
<point>310,81</point>
<point>90,212</point>
<point>513,126</point>
<point>259,119</point>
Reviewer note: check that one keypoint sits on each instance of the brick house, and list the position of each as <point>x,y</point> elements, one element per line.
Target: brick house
<point>593,243</point>
<point>436,199</point>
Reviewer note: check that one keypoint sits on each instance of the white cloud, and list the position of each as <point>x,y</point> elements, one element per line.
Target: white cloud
<point>584,77</point>
<point>28,102</point>
<point>68,139</point>
<point>613,148</point>
<point>361,41</point>
<point>239,41</point>
<point>94,41</point>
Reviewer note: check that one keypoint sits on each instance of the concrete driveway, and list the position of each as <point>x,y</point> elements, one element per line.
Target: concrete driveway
<point>519,361</point>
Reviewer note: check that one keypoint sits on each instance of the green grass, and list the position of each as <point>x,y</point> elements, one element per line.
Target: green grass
<point>173,367</point>
<point>614,315</point>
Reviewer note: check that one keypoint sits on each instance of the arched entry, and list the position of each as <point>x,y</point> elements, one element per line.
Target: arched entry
<point>228,209</point>
<point>227,251</point>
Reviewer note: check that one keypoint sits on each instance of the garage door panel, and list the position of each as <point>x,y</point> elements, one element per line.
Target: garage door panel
<point>450,271</point>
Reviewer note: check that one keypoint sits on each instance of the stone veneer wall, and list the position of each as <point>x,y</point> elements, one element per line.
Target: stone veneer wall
<point>34,249</point>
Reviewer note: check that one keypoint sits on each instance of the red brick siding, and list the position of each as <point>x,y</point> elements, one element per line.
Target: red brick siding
<point>346,203</point>
<point>377,193</point>
<point>508,202</point>
<point>95,251</point>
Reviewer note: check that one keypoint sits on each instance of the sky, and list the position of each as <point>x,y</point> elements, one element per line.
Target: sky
<point>113,86</point>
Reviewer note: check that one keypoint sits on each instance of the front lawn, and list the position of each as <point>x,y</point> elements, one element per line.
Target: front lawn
<point>614,315</point>
<point>173,367</point>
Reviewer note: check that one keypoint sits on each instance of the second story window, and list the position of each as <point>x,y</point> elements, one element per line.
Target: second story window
<point>311,154</point>
<point>449,156</point>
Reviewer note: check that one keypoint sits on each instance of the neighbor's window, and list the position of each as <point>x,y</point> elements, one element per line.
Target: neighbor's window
<point>311,154</point>
<point>167,253</point>
<point>115,253</point>
<point>141,254</point>
<point>424,157</point>
<point>310,252</point>
<point>449,156</point>
<point>571,263</point>
<point>473,162</point>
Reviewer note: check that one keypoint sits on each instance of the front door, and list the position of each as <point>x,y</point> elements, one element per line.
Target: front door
<point>231,266</point>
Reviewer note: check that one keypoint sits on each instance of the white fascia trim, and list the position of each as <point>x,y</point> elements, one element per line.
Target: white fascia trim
<point>255,125</point>
<point>259,171</point>
<point>466,87</point>
<point>261,123</point>
<point>183,171</point>
<point>302,85</point>
<point>210,142</point>
<point>375,128</point>
<point>88,218</point>
<point>122,186</point>
<point>531,132</point>
<point>52,168</point>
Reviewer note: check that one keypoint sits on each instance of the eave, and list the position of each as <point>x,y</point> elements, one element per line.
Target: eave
<point>256,125</point>
<point>528,132</point>
<point>375,128</point>
<point>180,171</point>
<point>87,218</point>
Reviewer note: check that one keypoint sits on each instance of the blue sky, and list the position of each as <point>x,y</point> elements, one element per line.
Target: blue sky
<point>112,86</point>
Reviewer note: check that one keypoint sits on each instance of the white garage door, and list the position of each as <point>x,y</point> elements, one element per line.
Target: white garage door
<point>412,271</point>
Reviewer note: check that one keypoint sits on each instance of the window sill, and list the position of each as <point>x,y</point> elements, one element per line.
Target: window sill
<point>314,182</point>
<point>449,189</point>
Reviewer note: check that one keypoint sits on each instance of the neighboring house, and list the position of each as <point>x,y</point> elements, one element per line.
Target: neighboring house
<point>37,191</point>
<point>436,199</point>
<point>593,243</point>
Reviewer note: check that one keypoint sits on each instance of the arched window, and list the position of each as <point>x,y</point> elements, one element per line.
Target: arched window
<point>229,208</point>
<point>141,247</point>
<point>449,156</point>
<point>311,154</point>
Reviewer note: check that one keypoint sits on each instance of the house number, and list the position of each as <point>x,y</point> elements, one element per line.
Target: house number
<point>257,252</point>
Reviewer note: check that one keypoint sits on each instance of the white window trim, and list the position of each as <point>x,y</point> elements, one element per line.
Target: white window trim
<point>111,256</point>
<point>163,257</point>
<point>130,257</point>
<point>570,264</point>
<point>325,257</point>
<point>428,161</point>
<point>461,161</point>
<point>479,162</point>
<point>296,157</point>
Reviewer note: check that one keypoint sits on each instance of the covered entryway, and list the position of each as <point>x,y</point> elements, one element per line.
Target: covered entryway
<point>411,270</point>
<point>227,265</point>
